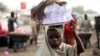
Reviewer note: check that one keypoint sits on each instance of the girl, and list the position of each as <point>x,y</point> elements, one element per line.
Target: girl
<point>53,44</point>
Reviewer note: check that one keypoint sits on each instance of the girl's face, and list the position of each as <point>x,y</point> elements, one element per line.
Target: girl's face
<point>54,38</point>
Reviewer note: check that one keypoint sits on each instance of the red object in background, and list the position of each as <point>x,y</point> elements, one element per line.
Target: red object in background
<point>20,30</point>
<point>3,31</point>
<point>23,5</point>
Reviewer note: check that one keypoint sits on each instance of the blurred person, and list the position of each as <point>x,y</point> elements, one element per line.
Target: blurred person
<point>11,21</point>
<point>35,27</point>
<point>86,27</point>
<point>53,44</point>
<point>35,30</point>
<point>97,29</point>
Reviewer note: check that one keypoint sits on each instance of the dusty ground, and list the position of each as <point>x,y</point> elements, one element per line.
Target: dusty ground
<point>31,49</point>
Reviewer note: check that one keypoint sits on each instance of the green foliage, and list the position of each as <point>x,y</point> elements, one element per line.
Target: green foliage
<point>3,7</point>
<point>90,11</point>
<point>80,10</point>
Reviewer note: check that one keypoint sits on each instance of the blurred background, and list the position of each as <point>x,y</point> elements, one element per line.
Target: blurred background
<point>22,9</point>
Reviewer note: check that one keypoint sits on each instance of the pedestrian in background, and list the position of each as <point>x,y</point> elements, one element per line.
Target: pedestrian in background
<point>86,27</point>
<point>11,21</point>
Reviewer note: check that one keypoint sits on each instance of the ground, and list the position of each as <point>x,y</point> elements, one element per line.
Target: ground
<point>31,49</point>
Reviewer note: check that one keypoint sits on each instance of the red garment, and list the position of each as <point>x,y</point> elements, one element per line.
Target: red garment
<point>68,34</point>
<point>68,31</point>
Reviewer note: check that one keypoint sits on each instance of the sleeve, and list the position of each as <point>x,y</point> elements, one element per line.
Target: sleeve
<point>89,23</point>
<point>82,24</point>
<point>71,52</point>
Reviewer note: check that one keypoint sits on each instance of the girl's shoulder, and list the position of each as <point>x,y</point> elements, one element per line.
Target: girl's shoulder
<point>67,46</point>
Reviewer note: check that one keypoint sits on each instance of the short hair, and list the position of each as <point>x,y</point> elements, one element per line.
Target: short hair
<point>12,14</point>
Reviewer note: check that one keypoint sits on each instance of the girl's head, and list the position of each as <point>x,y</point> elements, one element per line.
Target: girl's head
<point>54,38</point>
